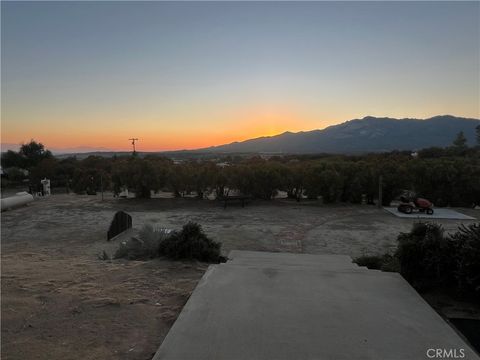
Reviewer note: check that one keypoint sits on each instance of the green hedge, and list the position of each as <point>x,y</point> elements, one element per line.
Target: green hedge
<point>429,259</point>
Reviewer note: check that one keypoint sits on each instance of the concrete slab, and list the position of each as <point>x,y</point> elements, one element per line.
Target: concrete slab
<point>262,259</point>
<point>305,267</point>
<point>439,213</point>
<point>327,265</point>
<point>283,256</point>
<point>239,312</point>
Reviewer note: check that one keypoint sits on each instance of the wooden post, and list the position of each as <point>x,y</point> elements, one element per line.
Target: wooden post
<point>380,191</point>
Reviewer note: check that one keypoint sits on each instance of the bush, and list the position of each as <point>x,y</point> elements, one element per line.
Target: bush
<point>467,244</point>
<point>425,256</point>
<point>390,263</point>
<point>190,243</point>
<point>384,262</point>
<point>144,247</point>
<point>370,261</point>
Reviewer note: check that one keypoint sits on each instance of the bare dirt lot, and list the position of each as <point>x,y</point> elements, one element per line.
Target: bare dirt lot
<point>60,301</point>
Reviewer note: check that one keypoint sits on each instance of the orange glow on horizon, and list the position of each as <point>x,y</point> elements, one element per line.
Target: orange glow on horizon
<point>186,131</point>
<point>239,126</point>
<point>147,141</point>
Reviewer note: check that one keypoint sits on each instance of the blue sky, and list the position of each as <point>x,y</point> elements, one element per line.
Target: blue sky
<point>192,74</point>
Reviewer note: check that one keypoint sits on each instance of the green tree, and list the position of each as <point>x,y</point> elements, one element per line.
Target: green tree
<point>89,175</point>
<point>220,181</point>
<point>85,180</point>
<point>395,178</point>
<point>293,178</point>
<point>240,178</point>
<point>312,180</point>
<point>266,180</point>
<point>162,166</point>
<point>66,170</point>
<point>322,179</point>
<point>179,179</point>
<point>12,159</point>
<point>33,153</point>
<point>460,141</point>
<point>136,174</point>
<point>46,168</point>
<point>202,176</point>
<point>431,152</point>
<point>14,175</point>
<point>330,184</point>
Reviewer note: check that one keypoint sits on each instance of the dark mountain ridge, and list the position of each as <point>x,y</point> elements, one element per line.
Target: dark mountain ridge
<point>369,134</point>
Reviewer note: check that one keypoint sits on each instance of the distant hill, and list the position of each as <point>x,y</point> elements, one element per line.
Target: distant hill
<point>369,134</point>
<point>84,155</point>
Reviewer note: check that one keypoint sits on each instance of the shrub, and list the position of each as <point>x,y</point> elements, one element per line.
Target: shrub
<point>425,256</point>
<point>144,247</point>
<point>370,261</point>
<point>384,262</point>
<point>467,243</point>
<point>190,243</point>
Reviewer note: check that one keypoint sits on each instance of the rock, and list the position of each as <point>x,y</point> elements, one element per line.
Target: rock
<point>121,222</point>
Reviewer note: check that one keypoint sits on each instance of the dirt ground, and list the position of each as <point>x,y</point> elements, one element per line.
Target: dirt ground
<point>60,301</point>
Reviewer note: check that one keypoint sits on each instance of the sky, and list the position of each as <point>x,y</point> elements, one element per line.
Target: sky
<point>184,75</point>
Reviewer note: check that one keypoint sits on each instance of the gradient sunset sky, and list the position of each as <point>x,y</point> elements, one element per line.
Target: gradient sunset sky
<point>193,74</point>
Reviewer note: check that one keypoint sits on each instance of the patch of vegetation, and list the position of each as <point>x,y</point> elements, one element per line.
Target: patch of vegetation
<point>386,262</point>
<point>426,256</point>
<point>467,256</point>
<point>370,261</point>
<point>429,259</point>
<point>144,247</point>
<point>190,243</point>
<point>446,176</point>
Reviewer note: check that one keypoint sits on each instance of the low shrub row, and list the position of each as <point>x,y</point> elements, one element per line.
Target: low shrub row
<point>386,262</point>
<point>429,259</point>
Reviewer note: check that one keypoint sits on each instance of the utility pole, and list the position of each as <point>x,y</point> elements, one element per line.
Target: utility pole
<point>133,144</point>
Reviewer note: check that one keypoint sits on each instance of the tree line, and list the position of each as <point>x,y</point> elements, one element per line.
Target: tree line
<point>446,176</point>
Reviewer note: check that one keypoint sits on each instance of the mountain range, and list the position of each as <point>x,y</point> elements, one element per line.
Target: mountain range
<point>370,134</point>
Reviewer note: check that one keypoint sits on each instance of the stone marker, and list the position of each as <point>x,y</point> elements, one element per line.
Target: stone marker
<point>121,222</point>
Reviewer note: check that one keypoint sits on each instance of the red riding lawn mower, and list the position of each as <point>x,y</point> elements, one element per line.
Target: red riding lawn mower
<point>410,203</point>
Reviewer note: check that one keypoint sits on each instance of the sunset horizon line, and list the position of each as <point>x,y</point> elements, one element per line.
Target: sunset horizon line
<point>85,148</point>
